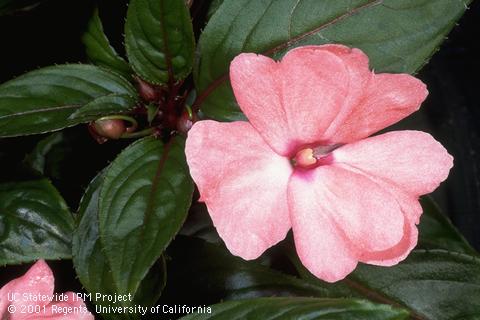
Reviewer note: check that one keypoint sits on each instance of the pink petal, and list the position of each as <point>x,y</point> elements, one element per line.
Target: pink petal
<point>294,101</point>
<point>397,253</point>
<point>38,280</point>
<point>243,183</point>
<point>320,244</point>
<point>320,94</point>
<point>360,75</point>
<point>387,99</point>
<point>411,209</point>
<point>335,221</point>
<point>411,160</point>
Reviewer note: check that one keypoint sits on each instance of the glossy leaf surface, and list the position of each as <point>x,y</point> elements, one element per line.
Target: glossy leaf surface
<point>159,39</point>
<point>143,203</point>
<point>35,223</point>
<point>91,264</point>
<point>99,50</point>
<point>43,100</point>
<point>397,35</point>
<point>436,284</point>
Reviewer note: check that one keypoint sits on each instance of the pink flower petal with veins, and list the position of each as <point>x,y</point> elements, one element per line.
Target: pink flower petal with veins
<point>282,96</point>
<point>38,281</point>
<point>335,197</point>
<point>412,160</point>
<point>305,160</point>
<point>243,183</point>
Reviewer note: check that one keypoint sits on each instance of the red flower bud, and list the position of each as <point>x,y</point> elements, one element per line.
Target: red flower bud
<point>185,122</point>
<point>111,129</point>
<point>147,91</point>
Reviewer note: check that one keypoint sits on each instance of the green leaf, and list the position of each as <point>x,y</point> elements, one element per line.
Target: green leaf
<point>47,154</point>
<point>397,35</point>
<point>431,285</point>
<point>437,232</point>
<point>89,261</point>
<point>111,104</point>
<point>35,223</point>
<point>43,100</point>
<point>152,285</point>
<point>214,5</point>
<point>91,264</point>
<point>159,39</point>
<point>143,203</point>
<point>422,281</point>
<point>206,271</point>
<point>99,50</point>
<point>299,308</point>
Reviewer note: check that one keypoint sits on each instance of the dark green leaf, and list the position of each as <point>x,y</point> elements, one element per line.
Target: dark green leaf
<point>206,271</point>
<point>111,104</point>
<point>91,264</point>
<point>43,100</point>
<point>89,261</point>
<point>159,39</point>
<point>435,284</point>
<point>47,155</point>
<point>35,223</point>
<point>152,285</point>
<point>397,35</point>
<point>213,8</point>
<point>99,50</point>
<point>437,232</point>
<point>143,203</point>
<point>299,308</point>
<point>432,285</point>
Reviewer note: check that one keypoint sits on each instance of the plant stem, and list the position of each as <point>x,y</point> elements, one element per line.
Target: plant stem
<point>139,134</point>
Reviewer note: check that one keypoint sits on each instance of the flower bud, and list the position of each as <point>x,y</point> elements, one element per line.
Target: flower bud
<point>185,122</point>
<point>111,129</point>
<point>147,91</point>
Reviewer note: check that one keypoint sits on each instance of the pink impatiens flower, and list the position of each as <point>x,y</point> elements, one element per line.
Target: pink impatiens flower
<point>28,297</point>
<point>305,160</point>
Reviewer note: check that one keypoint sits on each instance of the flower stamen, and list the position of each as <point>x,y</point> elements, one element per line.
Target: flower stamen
<point>310,157</point>
<point>304,158</point>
